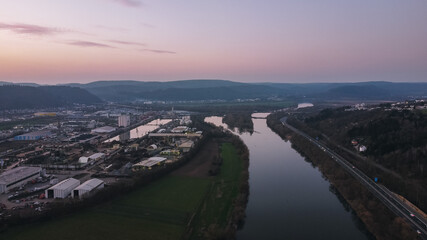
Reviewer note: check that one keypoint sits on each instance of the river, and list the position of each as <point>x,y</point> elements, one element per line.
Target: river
<point>289,198</point>
<point>140,131</point>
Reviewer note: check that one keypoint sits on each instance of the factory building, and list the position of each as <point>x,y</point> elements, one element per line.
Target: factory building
<point>124,120</point>
<point>17,177</point>
<point>62,189</point>
<point>105,129</point>
<point>33,135</point>
<point>149,163</point>
<point>180,129</point>
<point>87,188</point>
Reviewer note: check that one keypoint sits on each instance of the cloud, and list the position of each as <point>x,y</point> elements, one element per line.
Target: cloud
<point>129,3</point>
<point>21,28</point>
<point>127,43</point>
<point>89,44</point>
<point>158,51</point>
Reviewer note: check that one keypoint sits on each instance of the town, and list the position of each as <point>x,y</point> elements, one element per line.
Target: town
<point>53,156</point>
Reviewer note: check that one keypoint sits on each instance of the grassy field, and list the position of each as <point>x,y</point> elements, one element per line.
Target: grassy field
<point>218,205</point>
<point>160,210</point>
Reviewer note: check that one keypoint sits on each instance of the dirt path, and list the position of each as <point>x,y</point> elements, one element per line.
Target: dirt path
<point>199,166</point>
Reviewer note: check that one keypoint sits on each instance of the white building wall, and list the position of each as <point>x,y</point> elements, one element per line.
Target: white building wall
<point>124,121</point>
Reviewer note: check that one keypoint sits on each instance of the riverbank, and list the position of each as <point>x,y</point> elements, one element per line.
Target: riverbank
<point>378,219</point>
<point>188,203</point>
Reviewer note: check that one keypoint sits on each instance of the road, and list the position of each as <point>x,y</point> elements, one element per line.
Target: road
<point>417,222</point>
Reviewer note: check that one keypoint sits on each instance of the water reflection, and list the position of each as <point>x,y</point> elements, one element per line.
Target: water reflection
<point>289,198</point>
<point>140,131</point>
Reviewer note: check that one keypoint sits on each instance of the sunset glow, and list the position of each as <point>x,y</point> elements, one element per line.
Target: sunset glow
<point>51,41</point>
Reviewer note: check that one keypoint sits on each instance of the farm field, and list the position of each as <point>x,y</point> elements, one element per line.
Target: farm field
<point>161,210</point>
<point>158,211</point>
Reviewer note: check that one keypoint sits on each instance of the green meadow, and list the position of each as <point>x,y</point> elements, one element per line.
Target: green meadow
<point>161,210</point>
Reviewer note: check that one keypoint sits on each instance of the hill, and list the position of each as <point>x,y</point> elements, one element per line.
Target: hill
<point>20,97</point>
<point>190,90</point>
<point>211,89</point>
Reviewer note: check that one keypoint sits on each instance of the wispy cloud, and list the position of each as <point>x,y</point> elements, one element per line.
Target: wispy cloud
<point>21,28</point>
<point>127,43</point>
<point>89,44</point>
<point>129,3</point>
<point>158,51</point>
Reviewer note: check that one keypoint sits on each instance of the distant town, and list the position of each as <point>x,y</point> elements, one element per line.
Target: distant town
<point>72,153</point>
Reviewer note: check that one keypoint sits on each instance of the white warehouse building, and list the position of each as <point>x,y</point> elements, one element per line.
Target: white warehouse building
<point>87,187</point>
<point>62,189</point>
<point>17,177</point>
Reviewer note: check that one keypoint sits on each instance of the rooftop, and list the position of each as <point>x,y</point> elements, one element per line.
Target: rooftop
<point>65,183</point>
<point>90,184</point>
<point>17,174</point>
<point>150,162</point>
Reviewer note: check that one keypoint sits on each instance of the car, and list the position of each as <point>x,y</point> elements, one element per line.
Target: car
<point>418,231</point>
<point>412,215</point>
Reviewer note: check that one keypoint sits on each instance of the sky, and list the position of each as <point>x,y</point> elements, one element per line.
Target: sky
<point>63,41</point>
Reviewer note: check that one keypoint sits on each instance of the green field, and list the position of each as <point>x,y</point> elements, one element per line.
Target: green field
<point>160,210</point>
<point>218,205</point>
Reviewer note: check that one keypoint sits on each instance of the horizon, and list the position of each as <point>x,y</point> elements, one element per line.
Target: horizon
<point>179,80</point>
<point>58,42</point>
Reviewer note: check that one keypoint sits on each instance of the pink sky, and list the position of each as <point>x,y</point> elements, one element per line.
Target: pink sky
<point>58,41</point>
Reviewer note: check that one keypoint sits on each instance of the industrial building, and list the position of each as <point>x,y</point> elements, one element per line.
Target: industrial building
<point>105,129</point>
<point>186,146</point>
<point>149,163</point>
<point>180,129</point>
<point>87,188</point>
<point>62,189</point>
<point>93,157</point>
<point>124,120</point>
<point>33,135</point>
<point>17,177</point>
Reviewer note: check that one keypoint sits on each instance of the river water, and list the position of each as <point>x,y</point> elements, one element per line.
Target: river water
<point>289,198</point>
<point>140,131</point>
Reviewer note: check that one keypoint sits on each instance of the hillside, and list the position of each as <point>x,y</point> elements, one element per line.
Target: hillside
<point>395,141</point>
<point>190,90</point>
<point>20,97</point>
<point>210,89</point>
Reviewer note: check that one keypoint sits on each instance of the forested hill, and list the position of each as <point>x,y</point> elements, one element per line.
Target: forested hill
<point>20,97</point>
<point>188,90</point>
<point>395,139</point>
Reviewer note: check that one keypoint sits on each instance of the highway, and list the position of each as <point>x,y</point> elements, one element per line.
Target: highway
<point>417,222</point>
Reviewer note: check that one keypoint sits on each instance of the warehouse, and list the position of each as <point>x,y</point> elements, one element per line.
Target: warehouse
<point>149,163</point>
<point>105,129</point>
<point>17,177</point>
<point>62,189</point>
<point>87,187</point>
<point>93,157</point>
<point>33,135</point>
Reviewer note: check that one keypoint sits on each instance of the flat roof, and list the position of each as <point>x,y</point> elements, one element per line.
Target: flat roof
<point>90,184</point>
<point>18,173</point>
<point>38,133</point>
<point>186,144</point>
<point>96,155</point>
<point>150,162</point>
<point>105,129</point>
<point>65,184</point>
